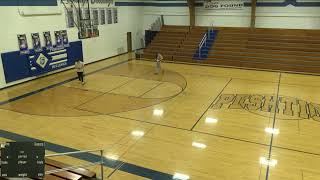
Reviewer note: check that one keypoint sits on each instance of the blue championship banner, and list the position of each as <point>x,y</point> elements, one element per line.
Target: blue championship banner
<point>17,66</point>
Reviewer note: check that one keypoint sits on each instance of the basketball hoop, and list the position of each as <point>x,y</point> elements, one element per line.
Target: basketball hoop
<point>84,22</point>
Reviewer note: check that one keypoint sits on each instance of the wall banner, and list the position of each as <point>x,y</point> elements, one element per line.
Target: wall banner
<point>23,44</point>
<point>224,4</point>
<point>36,42</point>
<point>65,39</point>
<point>59,39</point>
<point>33,64</point>
<point>47,40</point>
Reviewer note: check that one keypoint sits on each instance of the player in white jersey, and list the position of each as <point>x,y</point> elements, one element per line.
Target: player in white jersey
<point>159,58</point>
<point>79,66</point>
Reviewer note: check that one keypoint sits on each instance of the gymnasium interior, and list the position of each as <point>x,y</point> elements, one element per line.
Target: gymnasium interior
<point>172,90</point>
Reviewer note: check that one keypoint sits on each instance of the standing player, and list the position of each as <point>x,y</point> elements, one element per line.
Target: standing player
<point>79,66</point>
<point>159,58</point>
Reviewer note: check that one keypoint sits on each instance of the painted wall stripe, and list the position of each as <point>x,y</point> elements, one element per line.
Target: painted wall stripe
<point>28,3</point>
<point>59,57</point>
<point>164,3</point>
<point>151,4</point>
<point>59,61</point>
<point>57,52</point>
<point>126,167</point>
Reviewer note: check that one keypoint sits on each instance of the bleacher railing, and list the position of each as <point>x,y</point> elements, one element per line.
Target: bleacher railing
<point>157,24</point>
<point>203,42</point>
<point>101,162</point>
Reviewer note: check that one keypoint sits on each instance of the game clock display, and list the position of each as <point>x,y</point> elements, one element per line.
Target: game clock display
<point>22,160</point>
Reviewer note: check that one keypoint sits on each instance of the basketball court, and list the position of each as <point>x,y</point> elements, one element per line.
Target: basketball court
<point>201,121</point>
<point>236,97</point>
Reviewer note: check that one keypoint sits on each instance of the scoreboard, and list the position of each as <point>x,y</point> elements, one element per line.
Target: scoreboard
<point>22,160</point>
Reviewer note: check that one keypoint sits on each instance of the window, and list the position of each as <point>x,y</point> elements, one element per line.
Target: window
<point>95,16</point>
<point>109,14</point>
<point>77,16</point>
<point>115,15</point>
<point>70,19</point>
<point>102,16</point>
<point>86,13</point>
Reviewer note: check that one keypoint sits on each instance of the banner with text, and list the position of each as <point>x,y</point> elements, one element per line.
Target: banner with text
<point>224,4</point>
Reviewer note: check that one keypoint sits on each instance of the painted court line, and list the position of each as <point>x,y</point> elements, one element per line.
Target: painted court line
<point>126,167</point>
<point>211,104</point>
<point>273,125</point>
<point>195,131</point>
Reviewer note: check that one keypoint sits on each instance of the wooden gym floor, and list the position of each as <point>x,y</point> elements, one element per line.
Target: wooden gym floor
<point>204,122</point>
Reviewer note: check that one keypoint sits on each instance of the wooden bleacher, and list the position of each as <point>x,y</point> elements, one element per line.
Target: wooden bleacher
<point>275,49</point>
<point>174,42</point>
<point>261,48</point>
<point>190,44</point>
<point>83,173</point>
<point>166,42</point>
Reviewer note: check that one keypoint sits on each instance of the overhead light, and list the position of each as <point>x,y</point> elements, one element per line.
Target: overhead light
<point>210,120</point>
<point>199,145</point>
<point>137,133</point>
<point>158,112</point>
<point>179,176</point>
<point>112,157</point>
<point>267,162</point>
<point>271,130</point>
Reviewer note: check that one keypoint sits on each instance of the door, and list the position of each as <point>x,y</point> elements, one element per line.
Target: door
<point>129,41</point>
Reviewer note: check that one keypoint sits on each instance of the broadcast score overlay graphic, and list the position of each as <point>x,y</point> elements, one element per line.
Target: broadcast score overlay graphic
<point>22,160</point>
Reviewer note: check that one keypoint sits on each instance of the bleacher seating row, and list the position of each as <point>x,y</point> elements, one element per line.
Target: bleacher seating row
<point>175,42</point>
<point>273,49</point>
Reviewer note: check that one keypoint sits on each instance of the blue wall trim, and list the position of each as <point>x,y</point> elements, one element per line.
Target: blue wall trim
<point>28,3</point>
<point>126,167</point>
<point>164,3</point>
<point>151,4</point>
